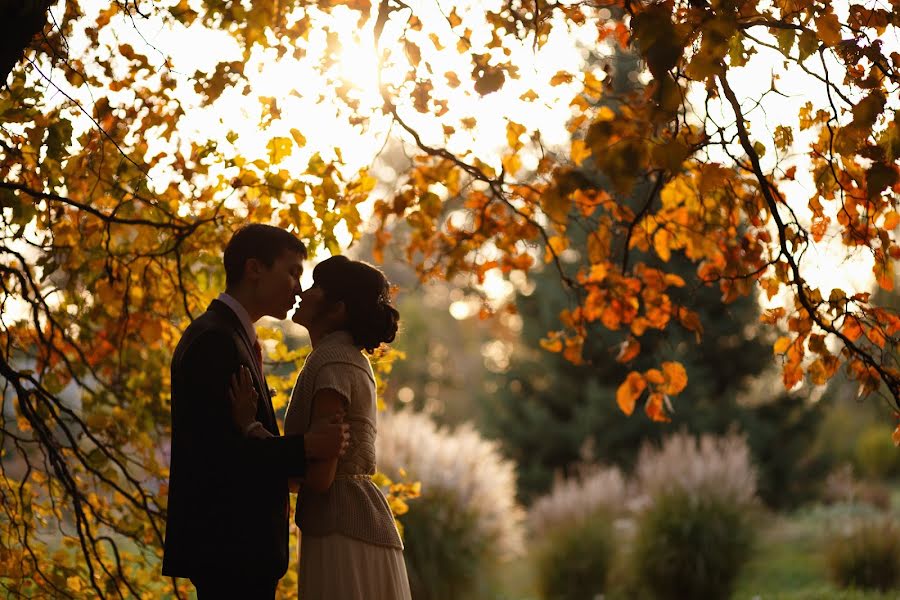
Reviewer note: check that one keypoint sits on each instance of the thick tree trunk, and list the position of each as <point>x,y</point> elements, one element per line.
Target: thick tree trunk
<point>20,21</point>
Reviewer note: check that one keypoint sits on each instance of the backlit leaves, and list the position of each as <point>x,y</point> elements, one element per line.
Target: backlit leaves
<point>123,214</point>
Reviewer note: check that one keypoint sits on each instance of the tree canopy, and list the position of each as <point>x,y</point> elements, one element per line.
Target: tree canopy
<point>124,169</point>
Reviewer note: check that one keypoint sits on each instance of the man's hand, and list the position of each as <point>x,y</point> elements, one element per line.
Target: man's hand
<point>243,398</point>
<point>326,441</point>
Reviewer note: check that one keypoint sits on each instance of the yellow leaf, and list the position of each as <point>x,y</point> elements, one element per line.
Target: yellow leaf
<point>514,131</point>
<point>279,148</point>
<point>661,244</point>
<point>781,345</point>
<point>629,391</point>
<point>605,114</point>
<point>580,151</point>
<point>557,243</point>
<point>299,139</point>
<point>592,85</point>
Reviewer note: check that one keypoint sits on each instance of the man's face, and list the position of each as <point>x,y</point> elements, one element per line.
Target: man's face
<point>279,285</point>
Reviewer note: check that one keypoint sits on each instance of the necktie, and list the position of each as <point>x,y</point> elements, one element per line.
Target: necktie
<point>258,349</point>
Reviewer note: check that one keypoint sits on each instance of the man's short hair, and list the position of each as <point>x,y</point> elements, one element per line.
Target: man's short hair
<point>262,242</point>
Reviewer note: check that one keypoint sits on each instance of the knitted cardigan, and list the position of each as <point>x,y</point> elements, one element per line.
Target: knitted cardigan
<point>353,506</point>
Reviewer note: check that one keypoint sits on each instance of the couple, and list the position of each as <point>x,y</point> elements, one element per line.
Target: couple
<point>227,520</point>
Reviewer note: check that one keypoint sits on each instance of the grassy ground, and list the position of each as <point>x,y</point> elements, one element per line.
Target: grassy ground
<point>787,564</point>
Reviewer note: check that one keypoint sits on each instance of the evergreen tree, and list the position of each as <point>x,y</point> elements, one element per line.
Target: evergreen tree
<point>551,414</point>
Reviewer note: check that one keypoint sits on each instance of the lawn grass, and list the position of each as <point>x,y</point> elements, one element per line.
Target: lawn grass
<point>788,562</point>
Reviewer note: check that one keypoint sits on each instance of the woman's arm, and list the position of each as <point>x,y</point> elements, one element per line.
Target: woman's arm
<point>328,404</point>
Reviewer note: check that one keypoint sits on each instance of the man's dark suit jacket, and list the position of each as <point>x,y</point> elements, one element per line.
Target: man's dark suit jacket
<point>228,495</point>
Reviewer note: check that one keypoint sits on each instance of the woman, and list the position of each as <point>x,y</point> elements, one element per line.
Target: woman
<point>350,548</point>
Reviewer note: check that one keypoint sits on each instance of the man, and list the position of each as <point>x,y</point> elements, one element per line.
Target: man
<point>227,521</point>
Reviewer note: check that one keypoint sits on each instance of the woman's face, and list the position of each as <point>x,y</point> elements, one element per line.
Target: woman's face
<point>313,306</point>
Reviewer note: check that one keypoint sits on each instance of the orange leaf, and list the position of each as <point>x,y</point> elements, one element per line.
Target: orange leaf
<point>654,408</point>
<point>691,321</point>
<point>896,436</point>
<point>579,152</point>
<point>628,350</point>
<point>560,78</point>
<point>629,391</point>
<point>851,328</point>
<point>552,343</point>
<point>572,353</point>
<point>655,376</point>
<point>676,377</point>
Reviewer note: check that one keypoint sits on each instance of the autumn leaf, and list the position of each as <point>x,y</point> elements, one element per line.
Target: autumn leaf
<point>279,148</point>
<point>553,343</point>
<point>299,139</point>
<point>628,350</point>
<point>851,328</point>
<point>560,78</point>
<point>629,391</point>
<point>781,345</point>
<point>654,408</point>
<point>676,378</point>
<point>829,28</point>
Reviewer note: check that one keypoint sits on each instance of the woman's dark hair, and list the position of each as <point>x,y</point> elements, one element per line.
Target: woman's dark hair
<point>365,292</point>
<point>262,242</point>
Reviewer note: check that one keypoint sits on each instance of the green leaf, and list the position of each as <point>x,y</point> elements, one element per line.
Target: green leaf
<point>759,148</point>
<point>786,39</point>
<point>809,43</point>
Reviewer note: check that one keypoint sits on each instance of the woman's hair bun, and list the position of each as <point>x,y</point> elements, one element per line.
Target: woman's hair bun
<point>365,292</point>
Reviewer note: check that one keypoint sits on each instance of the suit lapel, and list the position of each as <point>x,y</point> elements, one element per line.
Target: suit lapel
<point>255,369</point>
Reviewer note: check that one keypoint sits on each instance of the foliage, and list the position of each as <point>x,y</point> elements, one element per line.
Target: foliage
<point>868,556</point>
<point>715,467</point>
<point>466,521</point>
<point>875,454</point>
<point>788,562</point>
<point>120,179</point>
<point>576,501</point>
<point>698,530</point>
<point>691,546</point>
<point>573,561</point>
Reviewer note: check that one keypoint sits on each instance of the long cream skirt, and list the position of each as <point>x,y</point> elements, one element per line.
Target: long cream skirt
<point>337,567</point>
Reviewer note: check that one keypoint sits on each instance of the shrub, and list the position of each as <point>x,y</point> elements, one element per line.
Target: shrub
<point>696,533</point>
<point>573,561</point>
<point>691,546</point>
<point>866,555</point>
<point>466,520</point>
<point>577,500</point>
<point>875,453</point>
<point>711,466</point>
